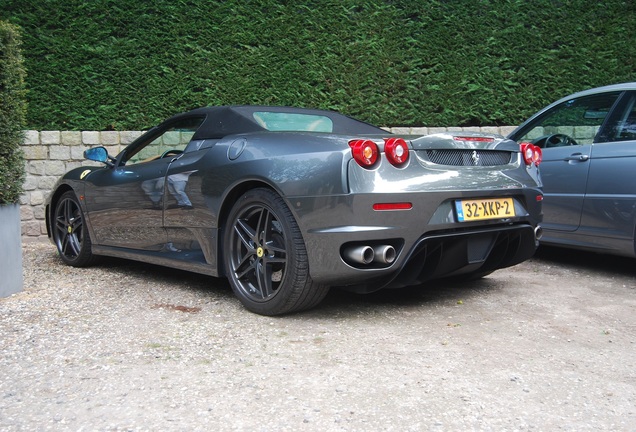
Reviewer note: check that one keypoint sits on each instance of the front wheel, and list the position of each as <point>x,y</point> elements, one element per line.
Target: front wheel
<point>265,256</point>
<point>70,233</point>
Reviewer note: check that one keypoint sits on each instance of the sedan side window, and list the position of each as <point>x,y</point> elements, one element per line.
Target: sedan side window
<point>573,122</point>
<point>167,142</point>
<point>622,125</point>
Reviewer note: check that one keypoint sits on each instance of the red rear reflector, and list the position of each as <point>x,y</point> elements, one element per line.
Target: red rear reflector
<point>475,138</point>
<point>539,198</point>
<point>392,206</point>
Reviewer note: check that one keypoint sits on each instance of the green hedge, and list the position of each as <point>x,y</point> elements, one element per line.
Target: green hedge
<point>116,64</point>
<point>12,114</point>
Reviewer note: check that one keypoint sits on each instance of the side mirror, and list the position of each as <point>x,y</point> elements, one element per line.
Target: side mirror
<point>97,154</point>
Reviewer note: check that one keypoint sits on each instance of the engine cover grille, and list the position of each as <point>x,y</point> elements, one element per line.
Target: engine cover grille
<point>469,157</point>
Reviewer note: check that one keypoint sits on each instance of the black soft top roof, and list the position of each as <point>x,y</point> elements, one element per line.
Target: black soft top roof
<point>221,121</point>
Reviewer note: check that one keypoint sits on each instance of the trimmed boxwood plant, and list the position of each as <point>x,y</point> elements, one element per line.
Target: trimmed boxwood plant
<point>12,114</point>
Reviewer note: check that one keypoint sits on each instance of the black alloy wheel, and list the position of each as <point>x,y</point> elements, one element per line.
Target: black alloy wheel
<point>265,256</point>
<point>70,233</point>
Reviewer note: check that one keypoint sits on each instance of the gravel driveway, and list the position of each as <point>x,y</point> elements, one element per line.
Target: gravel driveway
<point>547,345</point>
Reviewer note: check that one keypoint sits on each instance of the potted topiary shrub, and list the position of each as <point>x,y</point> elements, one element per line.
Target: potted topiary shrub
<point>12,123</point>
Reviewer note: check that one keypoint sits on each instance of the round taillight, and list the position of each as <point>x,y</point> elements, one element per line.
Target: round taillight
<point>365,152</point>
<point>396,151</point>
<point>531,153</point>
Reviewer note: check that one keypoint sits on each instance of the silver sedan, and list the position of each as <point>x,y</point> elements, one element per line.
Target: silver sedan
<point>588,141</point>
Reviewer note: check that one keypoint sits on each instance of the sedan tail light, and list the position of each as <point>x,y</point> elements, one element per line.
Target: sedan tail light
<point>531,153</point>
<point>396,150</point>
<point>365,152</point>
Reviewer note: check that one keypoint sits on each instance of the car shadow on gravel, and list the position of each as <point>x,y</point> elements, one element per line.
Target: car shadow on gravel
<point>585,261</point>
<point>337,301</point>
<point>436,293</point>
<point>432,294</point>
<point>444,293</point>
<point>166,275</point>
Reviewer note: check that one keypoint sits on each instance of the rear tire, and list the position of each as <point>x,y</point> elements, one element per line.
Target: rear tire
<point>70,233</point>
<point>265,256</point>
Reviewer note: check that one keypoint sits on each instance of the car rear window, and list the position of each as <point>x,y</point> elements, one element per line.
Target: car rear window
<point>281,121</point>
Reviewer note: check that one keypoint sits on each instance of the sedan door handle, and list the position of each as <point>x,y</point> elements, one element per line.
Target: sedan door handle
<point>577,157</point>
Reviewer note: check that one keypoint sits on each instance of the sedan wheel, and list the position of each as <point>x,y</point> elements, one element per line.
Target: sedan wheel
<point>265,256</point>
<point>70,232</point>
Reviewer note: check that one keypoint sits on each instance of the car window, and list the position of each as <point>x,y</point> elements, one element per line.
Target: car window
<point>281,121</point>
<point>576,121</point>
<point>168,141</point>
<point>622,125</point>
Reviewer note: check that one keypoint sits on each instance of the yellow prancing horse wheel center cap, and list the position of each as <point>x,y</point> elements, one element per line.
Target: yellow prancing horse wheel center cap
<point>260,252</point>
<point>70,229</point>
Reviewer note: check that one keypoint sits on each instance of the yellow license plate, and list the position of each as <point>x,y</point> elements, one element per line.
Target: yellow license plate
<point>480,209</point>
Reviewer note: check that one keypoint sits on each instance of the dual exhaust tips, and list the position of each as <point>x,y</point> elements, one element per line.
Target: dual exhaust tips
<point>365,254</point>
<point>386,254</point>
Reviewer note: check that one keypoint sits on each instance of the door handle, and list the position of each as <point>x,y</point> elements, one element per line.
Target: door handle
<point>579,157</point>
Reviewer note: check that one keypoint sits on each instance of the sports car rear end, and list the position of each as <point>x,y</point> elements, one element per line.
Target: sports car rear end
<point>460,205</point>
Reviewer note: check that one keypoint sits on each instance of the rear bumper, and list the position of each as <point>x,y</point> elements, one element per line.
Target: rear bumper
<point>427,241</point>
<point>439,255</point>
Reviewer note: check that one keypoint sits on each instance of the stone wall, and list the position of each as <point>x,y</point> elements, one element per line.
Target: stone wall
<point>49,154</point>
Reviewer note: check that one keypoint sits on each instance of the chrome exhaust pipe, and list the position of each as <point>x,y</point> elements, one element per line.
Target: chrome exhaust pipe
<point>538,232</point>
<point>360,254</point>
<point>384,254</point>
